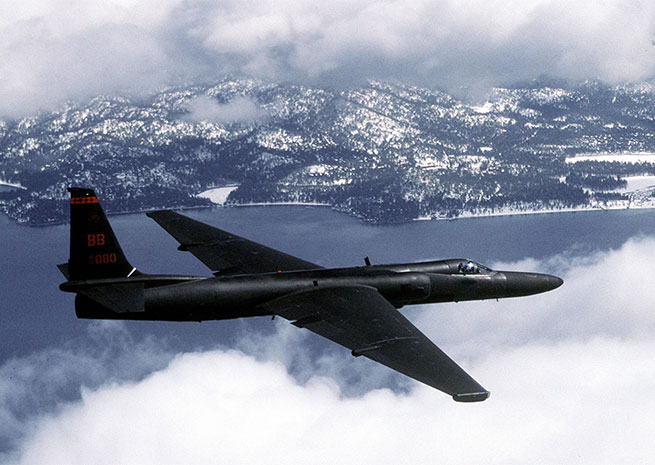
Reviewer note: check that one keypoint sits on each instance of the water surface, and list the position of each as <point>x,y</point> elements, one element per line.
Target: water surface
<point>35,314</point>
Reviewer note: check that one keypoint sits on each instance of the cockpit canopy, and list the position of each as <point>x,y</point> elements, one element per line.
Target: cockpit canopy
<point>471,267</point>
<point>452,266</point>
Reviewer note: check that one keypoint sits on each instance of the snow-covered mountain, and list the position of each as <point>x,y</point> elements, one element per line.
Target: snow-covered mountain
<point>385,152</point>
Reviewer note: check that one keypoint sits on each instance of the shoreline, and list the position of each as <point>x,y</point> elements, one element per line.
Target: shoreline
<point>276,204</point>
<point>539,212</point>
<point>465,216</point>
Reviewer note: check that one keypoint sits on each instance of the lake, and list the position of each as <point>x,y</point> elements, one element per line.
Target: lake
<point>35,314</point>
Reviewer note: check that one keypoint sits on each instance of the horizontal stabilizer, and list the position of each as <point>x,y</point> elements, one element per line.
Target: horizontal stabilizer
<point>64,270</point>
<point>120,298</point>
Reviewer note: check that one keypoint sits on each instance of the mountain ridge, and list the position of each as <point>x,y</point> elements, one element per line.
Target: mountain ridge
<point>385,152</point>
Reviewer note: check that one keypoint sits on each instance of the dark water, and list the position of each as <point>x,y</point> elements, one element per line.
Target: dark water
<point>35,314</point>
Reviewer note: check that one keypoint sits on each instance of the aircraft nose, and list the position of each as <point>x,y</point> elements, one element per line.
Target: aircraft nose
<point>520,284</point>
<point>554,282</point>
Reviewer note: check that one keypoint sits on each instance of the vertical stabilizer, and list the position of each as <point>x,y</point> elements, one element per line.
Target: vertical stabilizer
<point>94,250</point>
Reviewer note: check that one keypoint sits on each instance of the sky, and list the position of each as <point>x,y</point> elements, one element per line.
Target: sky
<point>55,51</point>
<point>571,375</point>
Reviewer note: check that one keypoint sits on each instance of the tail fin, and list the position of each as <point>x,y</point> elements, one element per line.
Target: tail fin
<point>94,249</point>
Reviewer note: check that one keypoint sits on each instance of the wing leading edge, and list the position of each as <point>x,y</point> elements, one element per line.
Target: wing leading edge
<point>225,253</point>
<point>361,319</point>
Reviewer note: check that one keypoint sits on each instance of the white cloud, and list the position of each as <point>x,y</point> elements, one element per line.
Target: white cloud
<point>571,375</point>
<point>237,110</point>
<point>58,50</point>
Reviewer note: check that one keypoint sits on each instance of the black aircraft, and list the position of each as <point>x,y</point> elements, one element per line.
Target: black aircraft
<point>355,307</point>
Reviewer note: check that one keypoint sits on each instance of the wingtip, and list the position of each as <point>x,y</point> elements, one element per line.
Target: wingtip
<point>472,396</point>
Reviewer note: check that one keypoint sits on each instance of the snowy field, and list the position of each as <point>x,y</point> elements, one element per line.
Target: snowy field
<point>218,195</point>
<point>639,157</point>
<point>636,183</point>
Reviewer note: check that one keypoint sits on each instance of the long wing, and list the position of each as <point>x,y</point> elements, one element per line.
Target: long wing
<point>361,319</point>
<point>225,253</point>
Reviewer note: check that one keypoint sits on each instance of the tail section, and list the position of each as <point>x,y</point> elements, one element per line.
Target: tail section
<point>106,284</point>
<point>94,250</point>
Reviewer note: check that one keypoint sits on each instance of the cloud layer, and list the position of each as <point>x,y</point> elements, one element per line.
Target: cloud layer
<point>574,403</point>
<point>58,50</point>
<point>571,374</point>
<point>237,110</point>
<point>41,382</point>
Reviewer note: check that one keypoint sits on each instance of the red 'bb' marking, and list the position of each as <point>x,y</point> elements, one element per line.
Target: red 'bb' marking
<point>83,200</point>
<point>94,240</point>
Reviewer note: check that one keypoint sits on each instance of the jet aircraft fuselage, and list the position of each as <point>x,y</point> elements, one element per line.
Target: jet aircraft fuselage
<point>219,298</point>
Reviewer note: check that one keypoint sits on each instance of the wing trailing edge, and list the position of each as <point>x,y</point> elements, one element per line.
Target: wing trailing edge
<point>361,319</point>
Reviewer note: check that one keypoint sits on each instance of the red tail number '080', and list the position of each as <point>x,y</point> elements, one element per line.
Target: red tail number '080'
<point>102,259</point>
